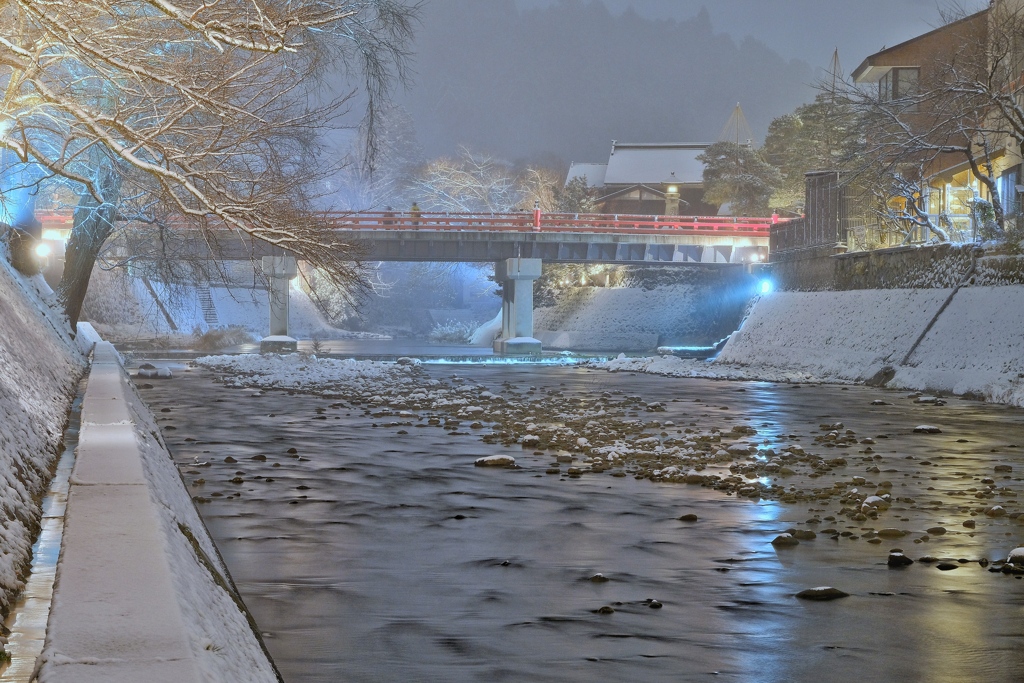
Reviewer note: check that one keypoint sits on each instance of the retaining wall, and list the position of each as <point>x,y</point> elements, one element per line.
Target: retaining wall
<point>913,318</point>
<point>670,305</point>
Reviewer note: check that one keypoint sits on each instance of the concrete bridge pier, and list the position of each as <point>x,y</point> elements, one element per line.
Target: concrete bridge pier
<point>516,276</point>
<point>279,270</point>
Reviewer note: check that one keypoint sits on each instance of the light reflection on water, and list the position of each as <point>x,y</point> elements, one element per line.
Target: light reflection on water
<point>373,577</point>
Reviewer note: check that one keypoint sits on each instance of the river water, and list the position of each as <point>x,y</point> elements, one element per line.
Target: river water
<point>378,552</point>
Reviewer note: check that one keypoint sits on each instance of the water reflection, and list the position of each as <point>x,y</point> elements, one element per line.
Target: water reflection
<point>399,560</point>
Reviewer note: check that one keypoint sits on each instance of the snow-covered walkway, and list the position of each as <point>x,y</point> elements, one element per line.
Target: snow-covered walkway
<point>141,592</point>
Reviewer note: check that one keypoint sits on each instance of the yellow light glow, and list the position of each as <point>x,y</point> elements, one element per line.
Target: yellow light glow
<point>54,235</point>
<point>672,189</point>
<point>43,250</point>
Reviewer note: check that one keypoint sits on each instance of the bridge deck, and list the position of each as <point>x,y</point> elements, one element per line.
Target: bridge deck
<point>553,222</point>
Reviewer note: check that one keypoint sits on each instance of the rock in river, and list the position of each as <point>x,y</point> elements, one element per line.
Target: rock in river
<point>496,461</point>
<point>822,593</point>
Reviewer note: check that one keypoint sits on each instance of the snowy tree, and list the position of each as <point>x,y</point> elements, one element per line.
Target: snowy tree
<point>819,136</point>
<point>737,175</point>
<point>473,182</point>
<point>189,114</point>
<point>576,197</point>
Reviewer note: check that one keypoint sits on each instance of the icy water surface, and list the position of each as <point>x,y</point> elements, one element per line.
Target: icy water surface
<point>372,555</point>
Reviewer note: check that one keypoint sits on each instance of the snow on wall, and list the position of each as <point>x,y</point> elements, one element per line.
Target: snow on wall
<point>250,308</point>
<point>976,346</point>
<point>833,335</point>
<point>626,318</point>
<point>40,367</point>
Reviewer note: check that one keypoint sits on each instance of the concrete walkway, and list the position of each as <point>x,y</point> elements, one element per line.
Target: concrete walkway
<point>115,614</point>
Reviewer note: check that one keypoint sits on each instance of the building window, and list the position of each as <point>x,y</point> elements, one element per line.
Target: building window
<point>1008,194</point>
<point>899,83</point>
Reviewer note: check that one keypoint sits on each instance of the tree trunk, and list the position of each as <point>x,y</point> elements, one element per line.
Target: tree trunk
<point>93,224</point>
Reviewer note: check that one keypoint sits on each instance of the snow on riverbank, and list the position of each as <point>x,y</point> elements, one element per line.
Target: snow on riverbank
<point>309,373</point>
<point>975,346</point>
<point>672,366</point>
<point>40,367</point>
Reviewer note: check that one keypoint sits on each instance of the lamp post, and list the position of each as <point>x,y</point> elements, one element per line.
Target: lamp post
<point>671,186</point>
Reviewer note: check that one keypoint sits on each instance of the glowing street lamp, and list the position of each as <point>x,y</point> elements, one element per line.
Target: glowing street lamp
<point>671,186</point>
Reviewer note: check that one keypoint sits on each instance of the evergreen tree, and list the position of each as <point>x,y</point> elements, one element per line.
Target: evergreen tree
<point>737,175</point>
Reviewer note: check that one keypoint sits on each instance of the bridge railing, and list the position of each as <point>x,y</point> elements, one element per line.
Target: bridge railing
<point>552,222</point>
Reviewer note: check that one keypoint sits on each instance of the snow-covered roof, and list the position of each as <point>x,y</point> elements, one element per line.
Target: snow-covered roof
<point>593,172</point>
<point>654,163</point>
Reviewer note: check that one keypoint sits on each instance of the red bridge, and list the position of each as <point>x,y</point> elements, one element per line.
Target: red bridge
<point>536,221</point>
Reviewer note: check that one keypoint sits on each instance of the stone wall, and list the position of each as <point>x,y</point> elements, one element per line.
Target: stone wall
<point>911,267</point>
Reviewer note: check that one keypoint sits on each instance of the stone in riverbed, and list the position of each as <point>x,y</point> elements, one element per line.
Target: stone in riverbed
<point>891,533</point>
<point>690,517</point>
<point>1016,557</point>
<point>899,560</point>
<point>946,566</point>
<point>785,541</point>
<point>822,593</point>
<point>927,429</point>
<point>936,530</point>
<point>495,461</point>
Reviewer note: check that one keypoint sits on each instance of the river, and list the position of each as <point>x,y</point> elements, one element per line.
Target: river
<point>377,551</point>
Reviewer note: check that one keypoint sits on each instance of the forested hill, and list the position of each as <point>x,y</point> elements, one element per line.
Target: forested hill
<point>570,78</point>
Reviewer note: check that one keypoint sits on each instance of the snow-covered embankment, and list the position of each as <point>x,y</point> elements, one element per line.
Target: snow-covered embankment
<point>141,591</point>
<point>40,367</point>
<point>970,341</point>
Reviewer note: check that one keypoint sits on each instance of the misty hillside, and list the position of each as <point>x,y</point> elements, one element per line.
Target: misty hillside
<point>570,78</point>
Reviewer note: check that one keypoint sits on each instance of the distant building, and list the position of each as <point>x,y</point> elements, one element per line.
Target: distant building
<point>638,176</point>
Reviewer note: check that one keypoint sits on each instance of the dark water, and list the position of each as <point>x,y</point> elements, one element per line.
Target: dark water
<point>401,561</point>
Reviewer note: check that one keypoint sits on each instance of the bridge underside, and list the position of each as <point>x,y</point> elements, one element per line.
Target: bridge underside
<point>468,246</point>
<point>557,248</point>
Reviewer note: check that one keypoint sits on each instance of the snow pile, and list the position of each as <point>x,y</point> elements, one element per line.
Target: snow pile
<point>673,366</point>
<point>308,373</point>
<point>40,367</point>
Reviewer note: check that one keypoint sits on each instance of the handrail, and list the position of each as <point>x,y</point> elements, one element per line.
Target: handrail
<point>550,222</point>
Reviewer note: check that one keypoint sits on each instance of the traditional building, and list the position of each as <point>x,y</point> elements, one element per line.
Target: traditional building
<point>649,179</point>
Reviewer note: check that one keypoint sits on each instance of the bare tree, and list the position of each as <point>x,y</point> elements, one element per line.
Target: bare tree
<point>197,117</point>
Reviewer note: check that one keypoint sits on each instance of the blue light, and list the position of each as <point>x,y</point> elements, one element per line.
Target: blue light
<point>766,286</point>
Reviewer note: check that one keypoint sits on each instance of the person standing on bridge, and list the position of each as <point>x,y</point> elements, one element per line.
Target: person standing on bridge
<point>415,213</point>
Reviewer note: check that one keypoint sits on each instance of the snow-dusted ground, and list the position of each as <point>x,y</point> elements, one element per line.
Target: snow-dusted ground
<point>305,372</point>
<point>975,346</point>
<point>40,367</point>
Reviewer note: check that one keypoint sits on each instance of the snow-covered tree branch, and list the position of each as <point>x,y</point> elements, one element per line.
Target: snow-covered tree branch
<point>193,113</point>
